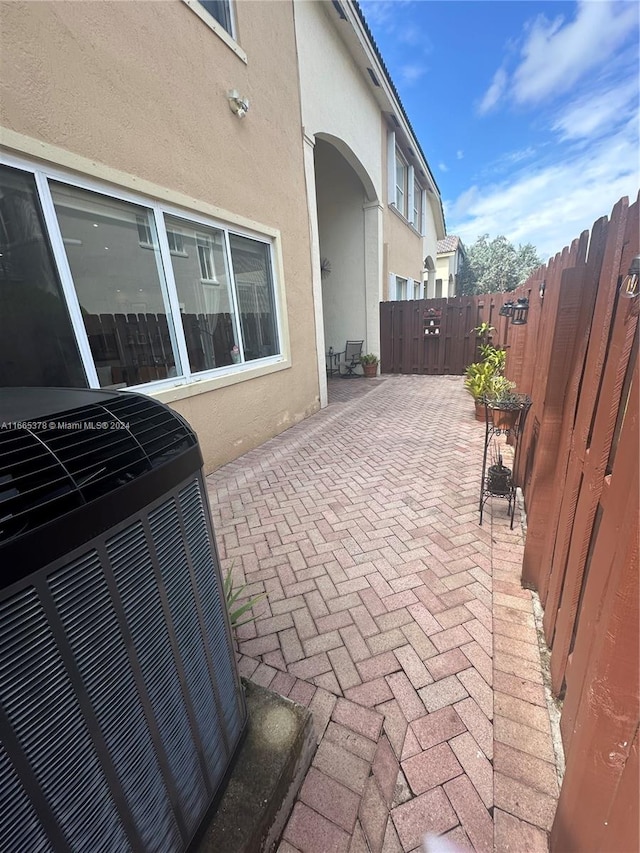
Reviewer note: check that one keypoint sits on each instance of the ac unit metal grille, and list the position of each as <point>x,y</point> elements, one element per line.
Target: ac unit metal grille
<point>87,614</point>
<point>120,704</point>
<point>33,484</point>
<point>140,596</point>
<point>167,538</point>
<point>19,827</point>
<point>70,458</point>
<point>41,705</point>
<point>193,512</point>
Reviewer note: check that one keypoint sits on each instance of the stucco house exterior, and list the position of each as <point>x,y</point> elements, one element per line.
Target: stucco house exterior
<point>171,176</point>
<point>449,260</point>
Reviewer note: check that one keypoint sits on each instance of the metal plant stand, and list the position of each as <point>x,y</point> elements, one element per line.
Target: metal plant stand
<point>498,481</point>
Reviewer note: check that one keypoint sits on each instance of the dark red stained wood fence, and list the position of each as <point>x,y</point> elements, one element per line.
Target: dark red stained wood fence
<point>406,349</point>
<point>577,358</point>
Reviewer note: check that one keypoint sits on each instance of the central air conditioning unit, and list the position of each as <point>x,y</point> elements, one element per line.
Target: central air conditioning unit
<point>120,703</point>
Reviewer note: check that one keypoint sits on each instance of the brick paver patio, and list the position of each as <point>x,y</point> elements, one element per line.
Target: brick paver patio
<point>396,619</point>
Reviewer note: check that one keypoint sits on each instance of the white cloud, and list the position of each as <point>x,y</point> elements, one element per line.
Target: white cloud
<point>551,204</point>
<point>494,92</point>
<point>459,154</point>
<point>556,55</point>
<point>443,167</point>
<point>411,73</point>
<point>598,112</point>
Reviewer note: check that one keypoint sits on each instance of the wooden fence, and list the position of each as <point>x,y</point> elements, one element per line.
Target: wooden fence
<point>407,347</point>
<point>577,358</point>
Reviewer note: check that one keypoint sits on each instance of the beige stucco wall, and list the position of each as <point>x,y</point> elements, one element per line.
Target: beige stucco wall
<point>336,99</point>
<point>404,248</point>
<point>141,88</point>
<point>405,256</point>
<point>340,197</point>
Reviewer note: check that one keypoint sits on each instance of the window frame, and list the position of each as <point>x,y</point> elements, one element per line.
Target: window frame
<point>229,38</point>
<point>405,285</point>
<point>44,173</point>
<point>400,159</point>
<point>416,213</point>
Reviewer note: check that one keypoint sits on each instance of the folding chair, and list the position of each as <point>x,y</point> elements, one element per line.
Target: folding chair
<point>352,353</point>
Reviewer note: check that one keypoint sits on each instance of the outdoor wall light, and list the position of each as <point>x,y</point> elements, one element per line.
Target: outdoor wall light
<point>506,310</point>
<point>629,286</point>
<point>543,287</point>
<point>520,311</point>
<point>238,104</point>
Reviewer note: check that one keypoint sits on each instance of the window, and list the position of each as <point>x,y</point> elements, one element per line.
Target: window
<point>206,258</point>
<point>401,288</point>
<point>401,183</point>
<point>145,236</point>
<point>438,293</point>
<point>416,290</point>
<point>121,290</point>
<point>130,294</point>
<point>176,242</point>
<point>417,206</point>
<point>37,344</point>
<point>221,11</point>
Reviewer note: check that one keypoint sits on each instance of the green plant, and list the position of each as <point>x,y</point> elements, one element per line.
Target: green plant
<point>369,358</point>
<point>500,391</point>
<point>231,595</point>
<point>494,356</point>
<point>478,377</point>
<point>484,330</point>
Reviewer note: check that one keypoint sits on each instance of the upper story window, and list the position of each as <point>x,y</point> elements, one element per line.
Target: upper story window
<point>122,292</point>
<point>221,11</point>
<point>401,183</point>
<point>416,213</point>
<point>401,288</point>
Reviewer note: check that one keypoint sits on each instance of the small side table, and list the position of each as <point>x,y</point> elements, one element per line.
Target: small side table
<point>331,359</point>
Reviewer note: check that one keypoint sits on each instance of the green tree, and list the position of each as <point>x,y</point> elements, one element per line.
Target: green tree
<point>496,265</point>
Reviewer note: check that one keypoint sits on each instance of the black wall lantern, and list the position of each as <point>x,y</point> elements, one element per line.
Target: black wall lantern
<point>516,311</point>
<point>629,286</point>
<point>520,311</point>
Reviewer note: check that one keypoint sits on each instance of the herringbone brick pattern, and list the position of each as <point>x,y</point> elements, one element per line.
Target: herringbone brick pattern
<point>396,619</point>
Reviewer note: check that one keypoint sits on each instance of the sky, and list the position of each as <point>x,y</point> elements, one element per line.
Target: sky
<point>527,111</point>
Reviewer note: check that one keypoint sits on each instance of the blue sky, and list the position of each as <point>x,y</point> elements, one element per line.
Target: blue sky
<point>527,112</point>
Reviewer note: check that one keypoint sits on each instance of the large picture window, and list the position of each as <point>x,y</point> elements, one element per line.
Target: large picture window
<point>37,344</point>
<point>119,292</point>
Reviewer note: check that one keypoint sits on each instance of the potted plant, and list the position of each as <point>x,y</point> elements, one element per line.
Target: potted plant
<point>369,363</point>
<point>478,378</point>
<point>503,402</point>
<point>499,479</point>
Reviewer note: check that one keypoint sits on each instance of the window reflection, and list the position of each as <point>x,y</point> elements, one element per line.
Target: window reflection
<point>37,343</point>
<point>206,306</point>
<point>256,300</point>
<point>113,254</point>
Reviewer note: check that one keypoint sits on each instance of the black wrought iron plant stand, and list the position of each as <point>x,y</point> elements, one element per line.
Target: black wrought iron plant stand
<point>498,480</point>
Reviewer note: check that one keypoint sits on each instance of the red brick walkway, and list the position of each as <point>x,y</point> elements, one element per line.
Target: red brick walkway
<point>396,619</point>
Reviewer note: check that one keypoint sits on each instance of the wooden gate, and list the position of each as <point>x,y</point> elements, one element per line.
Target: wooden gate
<point>406,345</point>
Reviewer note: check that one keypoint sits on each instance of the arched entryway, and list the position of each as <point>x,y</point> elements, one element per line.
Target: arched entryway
<point>347,218</point>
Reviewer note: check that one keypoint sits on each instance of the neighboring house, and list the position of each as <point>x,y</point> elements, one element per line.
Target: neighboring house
<point>449,260</point>
<point>170,177</point>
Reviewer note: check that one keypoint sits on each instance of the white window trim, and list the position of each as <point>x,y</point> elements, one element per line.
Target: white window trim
<point>228,38</point>
<point>399,279</point>
<point>391,168</point>
<point>410,185</point>
<point>399,156</point>
<point>179,386</point>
